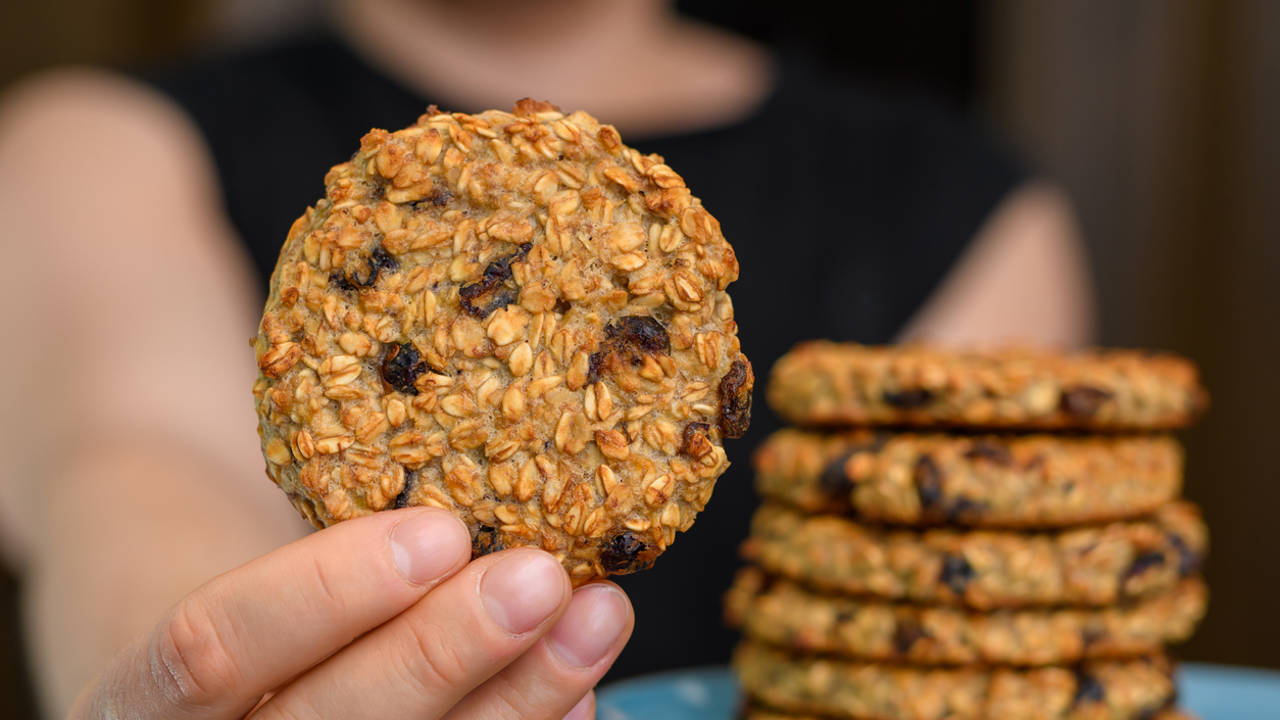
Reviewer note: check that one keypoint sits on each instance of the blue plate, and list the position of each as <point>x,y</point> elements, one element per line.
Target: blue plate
<point>1214,692</point>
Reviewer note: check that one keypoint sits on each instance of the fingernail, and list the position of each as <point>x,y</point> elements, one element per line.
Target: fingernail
<point>581,711</point>
<point>522,590</point>
<point>427,545</point>
<point>597,615</point>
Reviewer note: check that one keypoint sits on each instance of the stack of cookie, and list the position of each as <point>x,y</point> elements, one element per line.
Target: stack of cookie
<point>970,535</point>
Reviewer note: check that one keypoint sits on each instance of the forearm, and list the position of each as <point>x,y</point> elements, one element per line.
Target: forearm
<point>123,531</point>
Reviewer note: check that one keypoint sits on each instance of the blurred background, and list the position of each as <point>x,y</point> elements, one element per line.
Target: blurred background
<point>1159,117</point>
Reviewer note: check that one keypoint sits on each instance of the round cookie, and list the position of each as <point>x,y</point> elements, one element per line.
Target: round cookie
<point>1136,688</point>
<point>785,614</point>
<point>828,383</point>
<point>755,711</point>
<point>512,316</point>
<point>970,480</point>
<point>982,569</point>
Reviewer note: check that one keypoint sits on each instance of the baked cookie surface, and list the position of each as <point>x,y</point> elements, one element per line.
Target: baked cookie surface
<point>753,711</point>
<point>512,316</point>
<point>829,383</point>
<point>970,480</point>
<point>1136,688</point>
<point>982,569</point>
<point>783,613</point>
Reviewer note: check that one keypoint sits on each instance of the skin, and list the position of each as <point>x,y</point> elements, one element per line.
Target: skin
<point>105,182</point>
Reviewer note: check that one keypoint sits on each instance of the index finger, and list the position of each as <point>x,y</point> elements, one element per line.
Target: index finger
<point>252,629</point>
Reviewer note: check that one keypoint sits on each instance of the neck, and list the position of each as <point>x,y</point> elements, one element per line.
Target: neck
<point>631,62</point>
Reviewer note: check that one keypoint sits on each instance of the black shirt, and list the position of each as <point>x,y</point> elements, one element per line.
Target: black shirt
<point>845,210</point>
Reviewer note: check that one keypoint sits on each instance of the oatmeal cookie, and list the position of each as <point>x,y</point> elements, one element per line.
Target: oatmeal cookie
<point>512,316</point>
<point>785,614</point>
<point>970,480</point>
<point>755,711</point>
<point>982,569</point>
<point>827,383</point>
<point>1136,688</point>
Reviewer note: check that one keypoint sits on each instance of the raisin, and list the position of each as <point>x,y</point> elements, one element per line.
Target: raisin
<point>1092,636</point>
<point>440,196</point>
<point>928,480</point>
<point>401,366</point>
<point>641,331</point>
<point>834,481</point>
<point>402,499</point>
<point>1082,401</point>
<point>623,553</point>
<point>499,299</point>
<point>697,440</point>
<point>485,541</point>
<point>963,508</point>
<point>378,261</point>
<point>956,573</point>
<point>906,634</point>
<point>1088,689</point>
<point>990,451</point>
<point>735,399</point>
<point>491,292</point>
<point>1188,560</point>
<point>628,340</point>
<point>340,281</point>
<point>909,399</point>
<point>1144,562</point>
<point>595,363</point>
<point>384,259</point>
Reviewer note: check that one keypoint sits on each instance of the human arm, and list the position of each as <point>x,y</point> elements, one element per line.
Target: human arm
<point>129,429</point>
<point>134,472</point>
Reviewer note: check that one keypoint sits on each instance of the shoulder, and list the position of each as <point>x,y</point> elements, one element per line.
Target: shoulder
<point>86,98</point>
<point>90,122</point>
<point>90,158</point>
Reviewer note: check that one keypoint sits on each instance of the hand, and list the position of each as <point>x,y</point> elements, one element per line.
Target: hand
<point>376,617</point>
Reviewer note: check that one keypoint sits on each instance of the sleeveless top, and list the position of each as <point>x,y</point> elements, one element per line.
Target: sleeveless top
<point>845,210</point>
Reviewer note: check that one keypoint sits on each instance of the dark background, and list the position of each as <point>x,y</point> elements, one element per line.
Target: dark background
<point>1158,117</point>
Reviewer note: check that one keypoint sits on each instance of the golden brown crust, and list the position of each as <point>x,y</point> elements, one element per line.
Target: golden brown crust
<point>983,569</point>
<point>1032,481</point>
<point>785,614</point>
<point>754,711</point>
<point>871,691</point>
<point>828,383</point>
<point>512,316</point>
